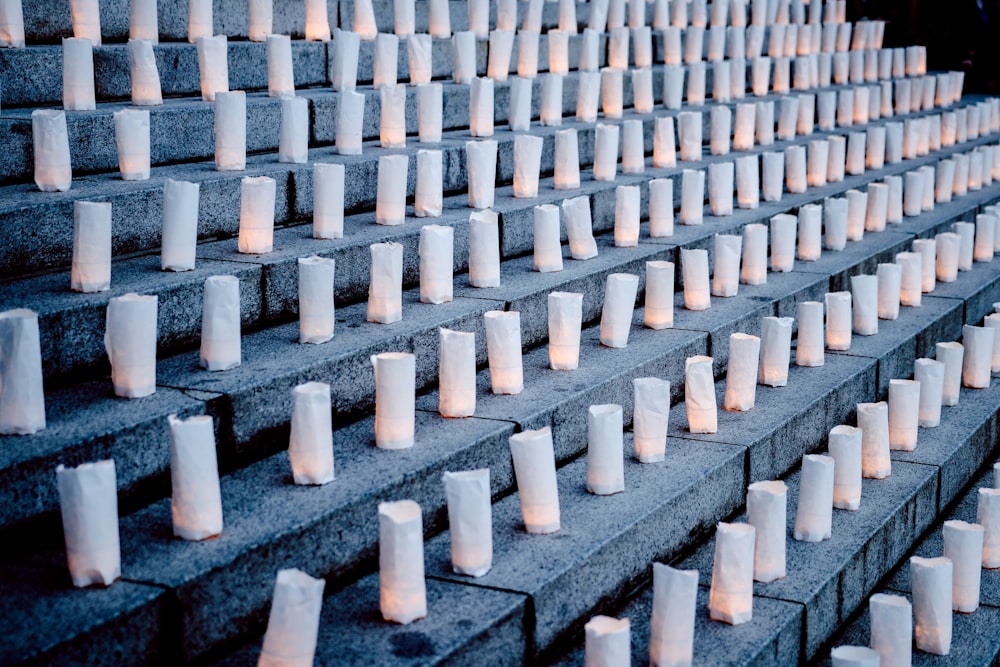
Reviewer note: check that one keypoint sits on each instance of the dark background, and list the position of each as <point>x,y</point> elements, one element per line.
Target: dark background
<point>959,34</point>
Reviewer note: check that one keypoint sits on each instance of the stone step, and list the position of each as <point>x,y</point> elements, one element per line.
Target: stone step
<point>827,581</point>
<point>975,637</point>
<point>231,18</point>
<point>269,282</point>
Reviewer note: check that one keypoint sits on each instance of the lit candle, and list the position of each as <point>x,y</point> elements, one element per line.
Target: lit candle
<point>402,589</point>
<point>195,498</point>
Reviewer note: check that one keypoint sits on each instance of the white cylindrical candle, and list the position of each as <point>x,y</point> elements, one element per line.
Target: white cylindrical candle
<point>385,300</point>
<point>395,380</point>
<point>91,264</point>
<point>456,373</point>
<point>402,589</point>
<point>535,471</point>
<point>741,372</point>
<point>230,131</point>
<point>130,341</point>
<point>310,443</point>
<point>730,598</point>
<point>699,395</point>
<point>88,500</point>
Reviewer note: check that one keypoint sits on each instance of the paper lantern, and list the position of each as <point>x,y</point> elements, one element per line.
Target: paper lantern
<point>952,355</point>
<point>766,509</point>
<point>694,267</point>
<point>741,372</point>
<point>730,598</point>
<point>673,86</point>
<point>814,514</point>
<point>547,244</point>
<point>481,165</point>
<point>22,401</point>
<point>293,134</point>
<point>481,107</point>
<point>484,249</point>
<point>316,310</point>
<point>818,162</point>
<point>605,152</point>
<point>145,76</point>
<point>992,321</point>
<point>552,101</point>
<point>506,18</point>
<point>519,108</point>
<point>978,358</point>
<point>963,546</point>
<point>772,176</point>
<point>567,15</point>
<point>350,117</point>
<point>50,146</point>
<point>608,641</point>
<point>230,131</point>
<point>619,303</point>
<point>988,516</point>
<point>675,592</point>
<point>760,75</point>
<point>470,521</point>
<point>429,112</point>
<point>535,472</point>
<point>280,79</point>
<point>392,116</point>
<point>566,173</point>
<point>88,501</point>
<point>439,19</point>
<point>720,188</point>
<point>463,54</point>
<point>257,197</point>
<point>310,445</point>
<point>809,349</point>
<point>692,197</point>
<point>503,346</point>
<point>809,225</point>
<point>11,24</point>
<point>845,444</point>
<point>130,341</point>
<point>747,182</point>
<point>892,628</point>
<point>783,228</point>
<point>699,395</point>
<point>199,23</point>
<point>565,316</point>
<point>726,274</point>
<point>385,287</point>
<point>394,399</point>
<point>944,177</point>
<point>659,306</point>
<point>929,374</point>
<point>983,249</point>
<point>689,127</point>
<point>931,579</point>
<point>854,656</point>
<point>664,152</point>
<point>889,278</point>
<point>775,342</point>
<point>627,202</point>
<point>436,249</point>
<point>579,228</point>
<point>661,207</point>
<point>642,91</point>
<point>839,321</point>
<point>317,21</point>
<point>328,200</point>
<point>78,75</point>
<point>588,60</point>
<point>91,267</point>
<point>966,244</point>
<point>904,405</point>
<point>261,14</point>
<point>836,168</point>
<point>651,411</point>
<point>605,466</point>
<point>344,66</point>
<point>390,199</point>
<point>927,249</point>
<point>419,58</point>
<point>195,500</point>
<point>873,420</point>
<point>527,54</point>
<point>213,66</point>
<point>864,297</point>
<point>633,151</point>
<point>293,624</point>
<point>402,589</point>
<point>180,225</point>
<point>220,324</point>
<point>457,374</point>
<point>754,265</point>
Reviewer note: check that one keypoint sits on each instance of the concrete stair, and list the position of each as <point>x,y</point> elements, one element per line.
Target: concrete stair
<point>207,602</point>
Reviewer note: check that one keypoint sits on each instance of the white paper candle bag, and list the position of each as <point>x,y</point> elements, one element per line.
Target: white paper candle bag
<point>694,267</point>
<point>873,420</point>
<point>22,401</point>
<point>932,603</point>
<point>484,249</point>
<point>470,521</point>
<point>675,592</point>
<point>814,514</point>
<point>731,595</point>
<point>310,444</point>
<point>619,302</point>
<point>195,499</point>
<point>741,372</point>
<point>457,373</point>
<point>293,624</point>
<point>503,346</point>
<point>963,546</point>
<point>230,131</point>
<point>88,499</point>
<point>50,146</point>
<point>579,229</point>
<point>78,75</point>
<point>91,264</point>
<point>257,195</point>
<point>535,471</point>
<point>220,324</point>
<point>402,589</point>
<point>699,395</point>
<point>328,200</point>
<point>144,74</point>
<point>891,629</point>
<point>845,445</point>
<point>775,342</point>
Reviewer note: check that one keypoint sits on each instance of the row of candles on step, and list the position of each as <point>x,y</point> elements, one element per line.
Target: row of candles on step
<point>131,334</point>
<point>744,552</point>
<point>602,15</point>
<point>53,169</point>
<point>750,552</point>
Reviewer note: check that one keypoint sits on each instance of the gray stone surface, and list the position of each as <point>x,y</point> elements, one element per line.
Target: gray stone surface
<point>257,396</point>
<point>48,622</point>
<point>223,585</point>
<point>832,577</point>
<point>974,640</point>
<point>787,422</point>
<point>605,542</point>
<point>771,639</point>
<point>962,443</point>
<point>464,625</point>
<point>71,324</point>
<point>86,423</point>
<point>559,399</point>
<point>902,341</point>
